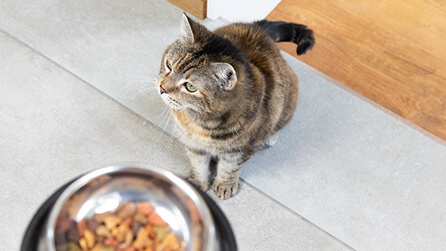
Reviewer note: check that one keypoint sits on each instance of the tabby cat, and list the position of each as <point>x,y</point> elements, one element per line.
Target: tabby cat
<point>231,92</point>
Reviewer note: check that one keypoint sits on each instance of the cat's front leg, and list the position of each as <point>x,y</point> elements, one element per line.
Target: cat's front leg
<point>199,172</point>
<point>226,182</point>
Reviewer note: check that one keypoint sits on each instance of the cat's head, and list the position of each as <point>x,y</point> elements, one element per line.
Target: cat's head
<point>199,71</point>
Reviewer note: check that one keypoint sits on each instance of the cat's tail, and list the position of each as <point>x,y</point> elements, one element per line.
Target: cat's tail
<point>289,32</point>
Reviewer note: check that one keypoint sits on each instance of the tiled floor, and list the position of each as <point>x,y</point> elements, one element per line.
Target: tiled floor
<point>75,95</point>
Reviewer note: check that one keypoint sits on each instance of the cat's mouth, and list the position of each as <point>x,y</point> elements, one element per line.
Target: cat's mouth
<point>172,103</point>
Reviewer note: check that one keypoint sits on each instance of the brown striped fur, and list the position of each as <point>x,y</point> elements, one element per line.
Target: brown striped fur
<point>245,94</point>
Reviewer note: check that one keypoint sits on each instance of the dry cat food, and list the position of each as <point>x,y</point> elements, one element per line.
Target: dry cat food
<point>131,227</point>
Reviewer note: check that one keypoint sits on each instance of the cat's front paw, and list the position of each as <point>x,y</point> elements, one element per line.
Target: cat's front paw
<point>202,184</point>
<point>225,190</point>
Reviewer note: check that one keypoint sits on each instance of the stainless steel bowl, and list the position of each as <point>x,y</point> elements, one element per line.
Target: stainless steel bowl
<point>174,199</point>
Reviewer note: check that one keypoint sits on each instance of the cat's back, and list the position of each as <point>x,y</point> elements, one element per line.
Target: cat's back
<point>253,42</point>
<point>278,81</point>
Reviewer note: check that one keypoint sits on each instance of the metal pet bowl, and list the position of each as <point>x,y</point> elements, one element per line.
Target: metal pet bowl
<point>192,216</point>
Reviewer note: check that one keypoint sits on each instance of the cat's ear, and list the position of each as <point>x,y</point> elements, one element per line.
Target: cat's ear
<point>192,31</point>
<point>187,33</point>
<point>226,73</point>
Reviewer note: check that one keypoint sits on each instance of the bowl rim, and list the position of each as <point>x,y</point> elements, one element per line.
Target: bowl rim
<point>141,169</point>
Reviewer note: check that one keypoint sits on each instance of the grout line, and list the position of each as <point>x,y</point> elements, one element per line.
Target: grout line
<point>296,213</point>
<point>168,134</point>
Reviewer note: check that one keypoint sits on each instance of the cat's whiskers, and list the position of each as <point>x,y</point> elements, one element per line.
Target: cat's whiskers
<point>143,91</point>
<point>137,79</point>
<point>168,120</point>
<point>170,140</point>
<point>163,115</point>
<point>144,77</point>
<point>164,127</point>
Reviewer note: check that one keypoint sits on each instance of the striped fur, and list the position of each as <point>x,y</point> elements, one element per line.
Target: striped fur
<point>245,94</point>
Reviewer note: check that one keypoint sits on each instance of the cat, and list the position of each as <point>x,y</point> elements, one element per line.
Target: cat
<point>230,91</point>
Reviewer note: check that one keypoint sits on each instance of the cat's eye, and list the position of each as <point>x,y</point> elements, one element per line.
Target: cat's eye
<point>190,87</point>
<point>169,65</point>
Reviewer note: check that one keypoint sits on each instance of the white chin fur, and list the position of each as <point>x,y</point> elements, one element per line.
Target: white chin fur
<point>175,105</point>
<point>170,103</point>
<point>165,99</point>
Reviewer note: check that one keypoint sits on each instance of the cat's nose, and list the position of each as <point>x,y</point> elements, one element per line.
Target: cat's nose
<point>162,90</point>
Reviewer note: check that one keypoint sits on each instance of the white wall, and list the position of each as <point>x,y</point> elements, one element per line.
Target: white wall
<point>240,10</point>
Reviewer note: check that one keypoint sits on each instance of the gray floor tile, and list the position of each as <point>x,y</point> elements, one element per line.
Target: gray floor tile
<point>56,127</point>
<point>263,225</point>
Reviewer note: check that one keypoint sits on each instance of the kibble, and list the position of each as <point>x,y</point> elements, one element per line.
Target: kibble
<point>155,219</point>
<point>90,238</point>
<point>111,221</point>
<point>131,227</point>
<point>102,231</point>
<point>83,244</point>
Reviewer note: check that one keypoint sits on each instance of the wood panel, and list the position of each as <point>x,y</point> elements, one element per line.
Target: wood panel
<point>197,8</point>
<point>391,51</point>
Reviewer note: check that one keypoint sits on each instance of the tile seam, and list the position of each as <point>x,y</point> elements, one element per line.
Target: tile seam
<point>286,208</point>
